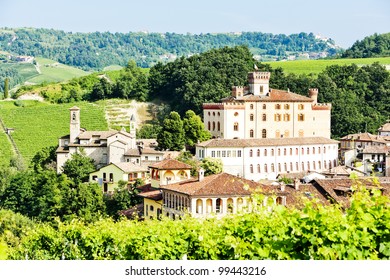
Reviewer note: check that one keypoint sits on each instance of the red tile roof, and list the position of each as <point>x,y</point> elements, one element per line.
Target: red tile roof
<point>170,164</point>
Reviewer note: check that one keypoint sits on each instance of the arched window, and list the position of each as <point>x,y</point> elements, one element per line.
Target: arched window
<point>258,152</point>
<point>286,133</point>
<point>285,151</point>
<point>213,125</point>
<point>303,166</point>
<point>251,134</point>
<point>272,167</point>
<point>278,151</point>
<point>301,117</point>
<point>319,164</point>
<point>209,125</point>
<point>264,106</point>
<point>251,106</point>
<point>286,106</point>
<point>285,167</point>
<point>265,152</point>
<point>278,117</point>
<point>265,168</point>
<point>302,151</point>
<point>296,151</point>
<point>277,106</point>
<point>308,165</point>
<point>301,107</point>
<point>251,168</point>
<point>291,167</point>
<point>235,126</point>
<point>314,165</point>
<point>286,117</point>
<point>291,151</point>
<point>279,168</point>
<point>308,151</point>
<point>219,126</point>
<point>314,150</point>
<point>258,168</point>
<point>277,134</point>
<point>319,150</point>
<point>324,150</point>
<point>264,133</point>
<point>251,117</point>
<point>264,117</point>
<point>251,153</point>
<point>272,152</point>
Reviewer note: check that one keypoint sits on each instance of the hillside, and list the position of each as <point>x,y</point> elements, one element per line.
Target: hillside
<point>98,50</point>
<point>376,45</point>
<point>317,66</point>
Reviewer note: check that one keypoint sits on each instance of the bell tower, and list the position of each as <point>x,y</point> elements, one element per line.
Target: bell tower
<point>132,127</point>
<point>74,123</point>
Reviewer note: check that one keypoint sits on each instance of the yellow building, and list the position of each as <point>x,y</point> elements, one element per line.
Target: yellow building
<point>168,171</point>
<point>109,176</point>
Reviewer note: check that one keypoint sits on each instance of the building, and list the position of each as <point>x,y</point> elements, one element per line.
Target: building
<point>109,176</point>
<point>103,147</point>
<point>384,130</point>
<point>256,111</point>
<point>257,159</point>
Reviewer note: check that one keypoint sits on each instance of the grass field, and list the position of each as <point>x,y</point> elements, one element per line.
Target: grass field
<point>316,66</point>
<point>38,125</point>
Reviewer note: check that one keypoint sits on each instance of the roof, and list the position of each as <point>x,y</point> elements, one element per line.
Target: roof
<point>364,136</point>
<point>266,142</point>
<point>129,167</point>
<point>101,134</point>
<point>213,185</point>
<point>275,95</point>
<point>385,127</point>
<point>376,150</point>
<point>147,151</point>
<point>170,164</point>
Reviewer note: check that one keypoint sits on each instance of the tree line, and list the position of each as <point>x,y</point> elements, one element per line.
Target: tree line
<point>99,49</point>
<point>377,45</point>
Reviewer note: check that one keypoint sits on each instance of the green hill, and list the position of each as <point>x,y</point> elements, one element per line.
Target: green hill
<point>316,66</point>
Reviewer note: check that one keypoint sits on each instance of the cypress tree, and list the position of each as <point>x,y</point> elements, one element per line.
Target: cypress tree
<point>6,86</point>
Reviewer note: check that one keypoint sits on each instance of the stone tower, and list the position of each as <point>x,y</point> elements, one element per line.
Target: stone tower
<point>313,94</point>
<point>132,127</point>
<point>259,82</point>
<point>74,123</point>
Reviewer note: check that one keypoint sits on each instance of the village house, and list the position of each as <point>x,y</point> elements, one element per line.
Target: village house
<point>110,175</point>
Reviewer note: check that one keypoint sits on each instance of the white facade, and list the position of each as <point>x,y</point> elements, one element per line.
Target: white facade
<point>257,159</point>
<point>259,112</point>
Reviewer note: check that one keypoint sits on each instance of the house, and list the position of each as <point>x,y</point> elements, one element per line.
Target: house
<point>384,130</point>
<point>352,145</point>
<point>109,176</point>
<point>168,171</point>
<point>258,159</point>
<point>257,111</point>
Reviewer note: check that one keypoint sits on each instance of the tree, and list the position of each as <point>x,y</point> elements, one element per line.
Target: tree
<point>6,88</point>
<point>148,131</point>
<point>44,159</point>
<point>212,166</point>
<point>171,136</point>
<point>188,158</point>
<point>78,168</point>
<point>194,129</point>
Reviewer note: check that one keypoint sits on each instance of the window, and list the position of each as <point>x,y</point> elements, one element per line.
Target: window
<point>301,117</point>
<point>209,125</point>
<point>213,113</point>
<point>219,154</point>
<point>258,152</point>
<point>251,117</point>
<point>213,125</point>
<point>264,117</point>
<point>285,152</point>
<point>319,164</point>
<point>296,151</point>
<point>251,168</point>
<point>251,133</point>
<point>286,133</point>
<point>291,151</point>
<point>286,117</point>
<point>258,168</point>
<point>302,151</point>
<point>308,165</point>
<point>303,166</point>
<point>319,150</point>
<point>219,114</point>
<point>212,153</point>
<point>223,153</point>
<point>157,158</point>
<point>301,107</point>
<point>277,134</point>
<point>277,106</point>
<point>235,114</point>
<point>228,153</point>
<point>146,158</point>
<point>251,106</point>
<point>314,150</point>
<point>277,117</point>
<point>104,176</point>
<point>324,150</point>
<point>296,166</point>
<point>314,165</point>
<point>272,167</point>
<point>265,168</point>
<point>239,153</point>
<point>291,166</point>
<point>151,208</point>
<point>272,152</point>
<point>251,153</point>
<point>278,152</point>
<point>285,167</point>
<point>264,106</point>
<point>208,113</point>
<point>219,126</point>
<point>287,106</point>
<point>261,89</point>
<point>235,126</point>
<point>308,151</point>
<point>264,133</point>
<point>279,168</point>
<point>234,153</point>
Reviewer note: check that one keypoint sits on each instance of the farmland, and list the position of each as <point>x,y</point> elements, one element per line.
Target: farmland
<point>316,66</point>
<point>38,124</point>
<point>5,149</point>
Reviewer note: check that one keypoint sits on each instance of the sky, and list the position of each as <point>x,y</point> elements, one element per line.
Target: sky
<point>344,21</point>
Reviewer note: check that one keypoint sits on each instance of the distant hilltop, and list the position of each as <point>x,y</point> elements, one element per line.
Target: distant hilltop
<point>94,51</point>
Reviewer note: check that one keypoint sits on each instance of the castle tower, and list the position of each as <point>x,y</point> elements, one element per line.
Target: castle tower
<point>313,94</point>
<point>259,82</point>
<point>74,123</point>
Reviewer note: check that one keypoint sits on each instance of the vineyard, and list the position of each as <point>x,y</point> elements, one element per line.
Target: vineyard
<point>316,66</point>
<point>279,233</point>
<point>5,149</point>
<point>38,125</point>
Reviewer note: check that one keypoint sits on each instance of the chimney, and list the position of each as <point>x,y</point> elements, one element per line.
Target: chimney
<point>200,174</point>
<point>296,184</point>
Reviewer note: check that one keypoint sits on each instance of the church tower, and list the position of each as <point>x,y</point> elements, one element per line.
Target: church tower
<point>259,82</point>
<point>74,123</point>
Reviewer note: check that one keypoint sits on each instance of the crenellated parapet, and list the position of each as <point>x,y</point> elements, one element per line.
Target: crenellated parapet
<point>321,106</point>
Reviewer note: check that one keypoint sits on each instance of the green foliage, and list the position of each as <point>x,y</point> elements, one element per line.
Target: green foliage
<point>314,232</point>
<point>45,159</point>
<point>188,158</point>
<point>148,131</point>
<point>97,50</point>
<point>376,45</point>
<point>194,129</point>
<point>211,166</point>
<point>171,136</point>
<point>286,180</point>
<point>6,88</point>
<point>187,83</point>
<point>79,167</point>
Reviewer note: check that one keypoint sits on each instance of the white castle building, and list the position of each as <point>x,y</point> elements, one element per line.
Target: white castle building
<point>257,111</point>
<point>261,132</point>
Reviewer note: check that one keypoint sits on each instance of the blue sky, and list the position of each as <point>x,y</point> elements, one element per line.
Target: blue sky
<point>344,21</point>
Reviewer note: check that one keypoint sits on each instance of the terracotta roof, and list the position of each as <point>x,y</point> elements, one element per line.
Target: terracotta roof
<point>170,164</point>
<point>275,95</point>
<point>215,185</point>
<point>385,127</point>
<point>100,134</point>
<point>376,150</point>
<point>154,195</point>
<point>296,198</point>
<point>365,136</point>
<point>128,167</point>
<point>266,142</point>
